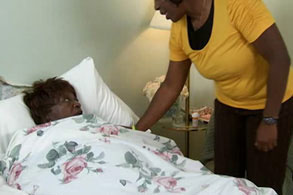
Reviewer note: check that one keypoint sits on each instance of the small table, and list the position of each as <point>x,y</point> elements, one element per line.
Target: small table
<point>166,124</point>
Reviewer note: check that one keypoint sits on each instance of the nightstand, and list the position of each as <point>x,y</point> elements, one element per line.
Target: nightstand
<point>165,124</point>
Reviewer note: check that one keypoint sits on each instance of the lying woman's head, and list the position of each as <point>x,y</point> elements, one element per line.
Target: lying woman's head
<point>51,100</point>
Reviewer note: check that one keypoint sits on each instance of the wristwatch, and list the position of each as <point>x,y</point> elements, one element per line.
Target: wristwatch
<point>270,120</point>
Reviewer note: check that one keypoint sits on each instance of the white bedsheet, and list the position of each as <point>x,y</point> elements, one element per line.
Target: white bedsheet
<point>84,155</point>
<point>7,190</point>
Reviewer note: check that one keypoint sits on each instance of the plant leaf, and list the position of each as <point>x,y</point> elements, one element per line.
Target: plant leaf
<point>90,156</point>
<point>130,158</point>
<point>47,165</point>
<point>52,155</point>
<point>156,170</point>
<point>157,190</point>
<point>86,149</point>
<point>15,152</point>
<point>56,172</point>
<point>123,182</point>
<point>2,166</point>
<point>78,152</point>
<point>70,146</point>
<point>174,158</point>
<point>101,155</point>
<point>78,120</point>
<point>40,133</point>
<point>62,150</point>
<point>124,165</point>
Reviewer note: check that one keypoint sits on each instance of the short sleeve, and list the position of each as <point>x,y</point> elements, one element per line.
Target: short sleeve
<point>175,44</point>
<point>250,17</point>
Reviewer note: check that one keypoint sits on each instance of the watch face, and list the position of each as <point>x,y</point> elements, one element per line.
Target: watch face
<point>269,120</point>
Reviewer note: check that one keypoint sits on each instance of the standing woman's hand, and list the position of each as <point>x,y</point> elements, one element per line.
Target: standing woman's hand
<point>266,137</point>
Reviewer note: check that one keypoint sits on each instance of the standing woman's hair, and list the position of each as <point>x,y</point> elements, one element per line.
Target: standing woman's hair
<point>43,95</point>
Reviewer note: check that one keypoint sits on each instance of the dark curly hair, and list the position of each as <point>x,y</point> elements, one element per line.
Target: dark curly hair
<point>43,95</point>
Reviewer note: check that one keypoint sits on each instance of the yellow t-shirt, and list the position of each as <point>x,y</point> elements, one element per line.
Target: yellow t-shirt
<point>239,72</point>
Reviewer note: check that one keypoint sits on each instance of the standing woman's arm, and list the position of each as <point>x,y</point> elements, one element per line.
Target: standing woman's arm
<point>166,94</point>
<point>272,47</point>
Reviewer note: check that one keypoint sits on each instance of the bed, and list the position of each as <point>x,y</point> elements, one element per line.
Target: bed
<point>94,154</point>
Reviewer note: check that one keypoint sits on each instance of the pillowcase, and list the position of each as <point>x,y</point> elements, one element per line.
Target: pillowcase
<point>14,115</point>
<point>95,96</point>
<point>8,90</point>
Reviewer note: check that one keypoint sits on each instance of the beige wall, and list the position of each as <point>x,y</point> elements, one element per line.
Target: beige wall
<point>282,10</point>
<point>41,38</point>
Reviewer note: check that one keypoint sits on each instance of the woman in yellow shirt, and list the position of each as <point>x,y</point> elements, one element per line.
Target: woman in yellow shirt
<point>237,44</point>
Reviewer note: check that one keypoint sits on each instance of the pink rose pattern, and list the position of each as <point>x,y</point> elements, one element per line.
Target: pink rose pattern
<point>167,155</point>
<point>169,183</point>
<point>33,129</point>
<point>72,168</point>
<point>152,175</point>
<point>105,140</point>
<point>14,174</point>
<point>242,186</point>
<point>167,151</point>
<point>176,150</point>
<point>108,130</point>
<point>164,155</point>
<point>78,158</point>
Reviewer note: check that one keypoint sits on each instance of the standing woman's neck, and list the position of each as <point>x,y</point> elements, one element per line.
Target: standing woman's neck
<point>198,11</point>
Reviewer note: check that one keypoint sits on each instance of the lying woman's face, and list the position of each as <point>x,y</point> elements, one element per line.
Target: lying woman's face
<point>66,106</point>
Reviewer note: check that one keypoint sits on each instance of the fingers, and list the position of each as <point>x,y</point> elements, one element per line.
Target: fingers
<point>266,146</point>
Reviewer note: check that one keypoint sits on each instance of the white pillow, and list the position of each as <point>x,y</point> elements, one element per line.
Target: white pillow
<point>95,96</point>
<point>14,115</point>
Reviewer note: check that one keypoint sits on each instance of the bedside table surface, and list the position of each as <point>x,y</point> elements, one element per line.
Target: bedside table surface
<point>166,123</point>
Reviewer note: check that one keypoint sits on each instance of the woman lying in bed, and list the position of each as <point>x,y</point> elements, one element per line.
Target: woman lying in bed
<point>68,154</point>
<point>51,100</point>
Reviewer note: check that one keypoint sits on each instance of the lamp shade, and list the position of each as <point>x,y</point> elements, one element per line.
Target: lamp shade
<point>160,22</point>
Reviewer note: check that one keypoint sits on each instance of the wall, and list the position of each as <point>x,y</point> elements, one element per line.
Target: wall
<point>148,55</point>
<point>141,61</point>
<point>282,11</point>
<point>41,38</point>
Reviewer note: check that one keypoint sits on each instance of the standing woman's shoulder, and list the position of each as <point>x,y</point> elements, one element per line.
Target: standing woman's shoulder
<point>250,17</point>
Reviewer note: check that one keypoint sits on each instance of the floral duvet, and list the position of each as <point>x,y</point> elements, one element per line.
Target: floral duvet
<point>84,155</point>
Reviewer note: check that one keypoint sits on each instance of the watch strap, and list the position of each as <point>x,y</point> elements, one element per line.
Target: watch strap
<point>270,120</point>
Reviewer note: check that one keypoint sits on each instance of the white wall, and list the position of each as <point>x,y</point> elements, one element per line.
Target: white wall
<point>142,60</point>
<point>282,10</point>
<point>41,38</point>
